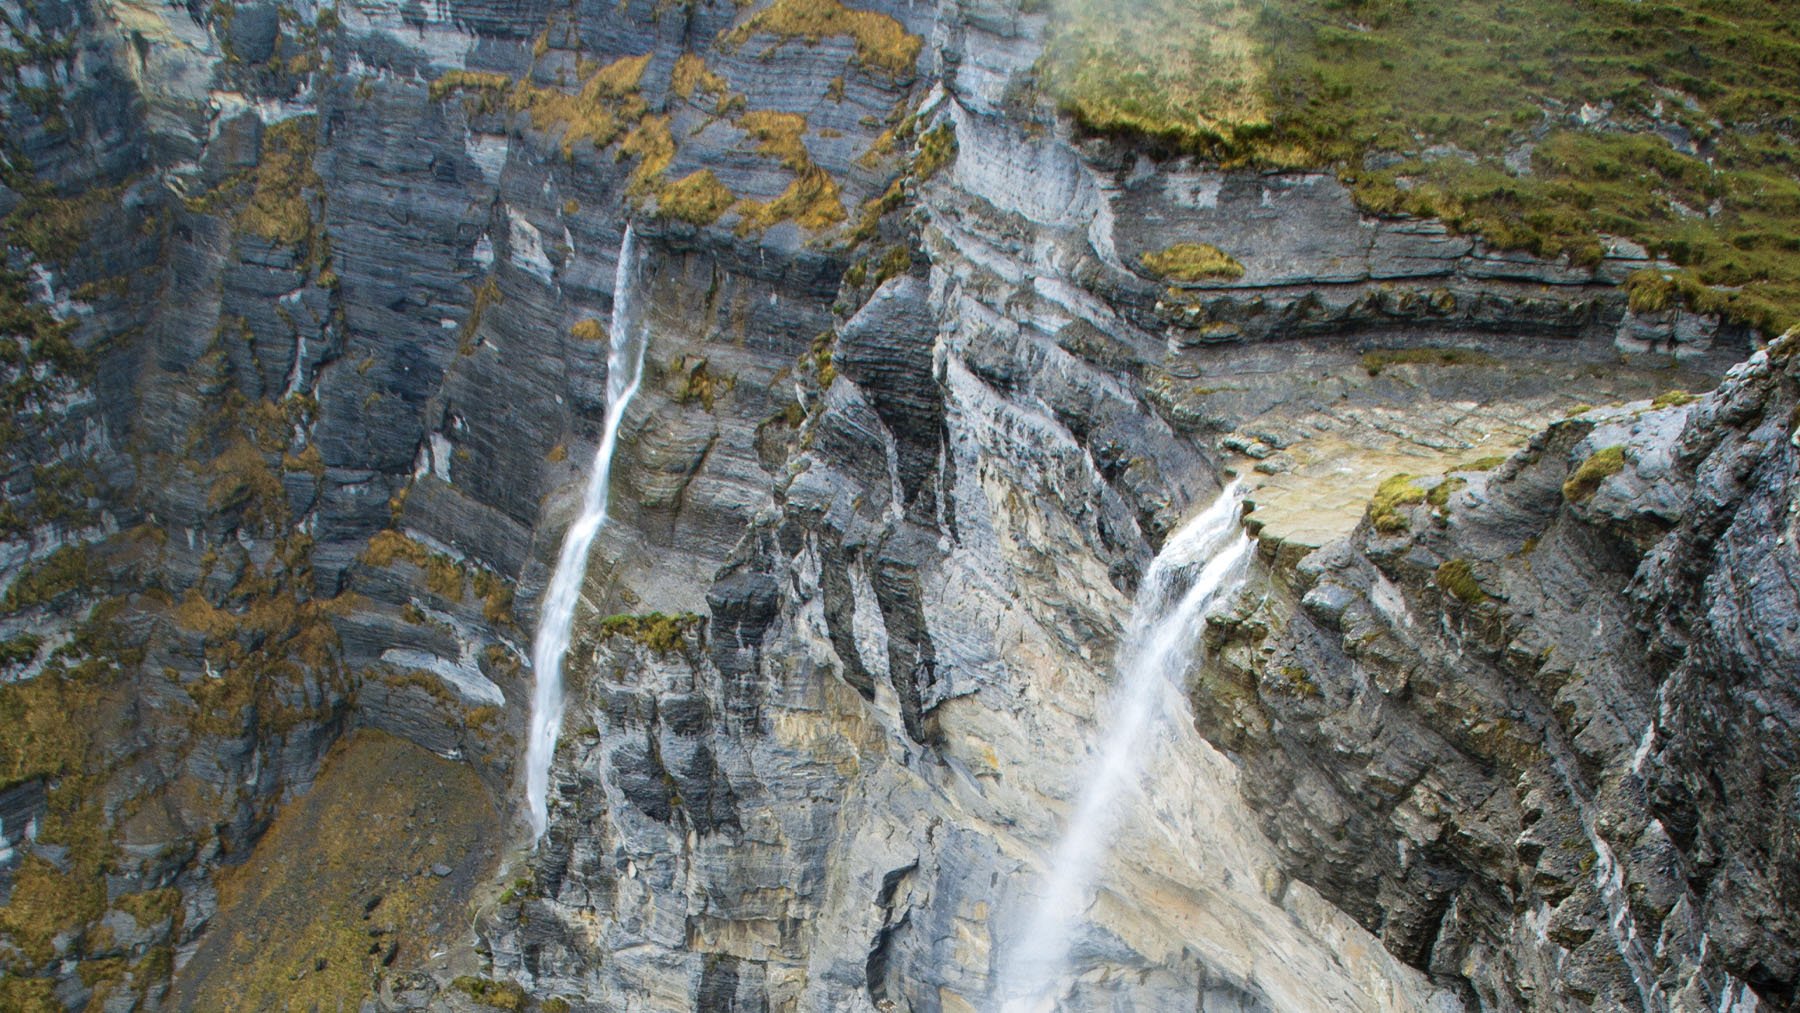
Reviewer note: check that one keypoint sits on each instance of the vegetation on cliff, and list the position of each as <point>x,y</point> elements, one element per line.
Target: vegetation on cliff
<point>1540,126</point>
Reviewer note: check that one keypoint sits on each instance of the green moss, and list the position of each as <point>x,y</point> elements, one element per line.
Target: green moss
<point>1596,469</point>
<point>1477,107</point>
<point>1194,262</point>
<point>1488,463</point>
<point>66,571</point>
<point>658,631</point>
<point>1390,497</point>
<point>55,228</point>
<point>1376,360</point>
<point>1672,399</point>
<point>1458,578</point>
<point>896,261</point>
<point>698,383</point>
<point>505,995</point>
<point>20,650</point>
<point>1299,682</point>
<point>1440,494</point>
<point>820,358</point>
<point>937,148</point>
<point>29,995</point>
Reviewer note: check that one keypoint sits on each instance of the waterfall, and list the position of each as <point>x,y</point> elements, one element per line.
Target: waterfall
<point>1159,644</point>
<point>624,368</point>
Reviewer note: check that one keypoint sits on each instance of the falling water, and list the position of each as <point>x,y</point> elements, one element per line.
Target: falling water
<point>624,368</point>
<point>1159,645</point>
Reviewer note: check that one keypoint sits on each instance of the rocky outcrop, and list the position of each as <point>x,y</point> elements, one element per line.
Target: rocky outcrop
<point>1516,728</point>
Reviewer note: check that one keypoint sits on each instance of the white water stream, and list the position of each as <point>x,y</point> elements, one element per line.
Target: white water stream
<point>1160,639</point>
<point>624,368</point>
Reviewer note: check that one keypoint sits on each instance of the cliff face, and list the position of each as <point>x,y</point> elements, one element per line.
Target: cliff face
<point>311,306</point>
<point>1519,732</point>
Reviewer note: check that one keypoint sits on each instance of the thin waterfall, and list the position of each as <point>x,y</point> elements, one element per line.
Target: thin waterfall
<point>624,368</point>
<point>1159,645</point>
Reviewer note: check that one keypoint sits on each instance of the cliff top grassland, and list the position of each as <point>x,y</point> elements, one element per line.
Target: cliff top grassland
<point>1541,125</point>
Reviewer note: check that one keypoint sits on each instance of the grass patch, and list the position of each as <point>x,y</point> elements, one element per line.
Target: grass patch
<point>600,111</point>
<point>658,631</point>
<point>937,148</point>
<point>20,650</point>
<point>504,995</point>
<point>335,892</point>
<point>691,77</point>
<point>812,201</point>
<point>1596,469</point>
<point>1194,262</point>
<point>279,209</point>
<point>1458,578</point>
<point>779,136</point>
<point>1376,360</point>
<point>1488,463</point>
<point>654,147</point>
<point>881,43</point>
<point>442,576</point>
<point>1390,498</point>
<point>697,198</point>
<point>1539,125</point>
<point>1440,494</point>
<point>698,383</point>
<point>1672,399</point>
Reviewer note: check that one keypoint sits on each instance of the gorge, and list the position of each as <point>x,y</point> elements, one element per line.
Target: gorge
<point>951,506</point>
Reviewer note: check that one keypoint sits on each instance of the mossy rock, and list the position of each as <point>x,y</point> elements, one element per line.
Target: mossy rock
<point>1586,480</point>
<point>1457,576</point>
<point>1394,494</point>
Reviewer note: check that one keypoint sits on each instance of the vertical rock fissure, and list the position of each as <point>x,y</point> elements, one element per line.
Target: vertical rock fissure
<point>1159,645</point>
<point>624,369</point>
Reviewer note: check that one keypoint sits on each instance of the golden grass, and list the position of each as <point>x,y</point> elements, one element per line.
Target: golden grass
<point>780,136</point>
<point>881,42</point>
<point>654,147</point>
<point>279,209</point>
<point>692,77</point>
<point>1194,262</point>
<point>812,201</point>
<point>341,875</point>
<point>697,198</point>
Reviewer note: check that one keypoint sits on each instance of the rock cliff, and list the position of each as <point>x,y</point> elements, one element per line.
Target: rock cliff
<point>307,310</point>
